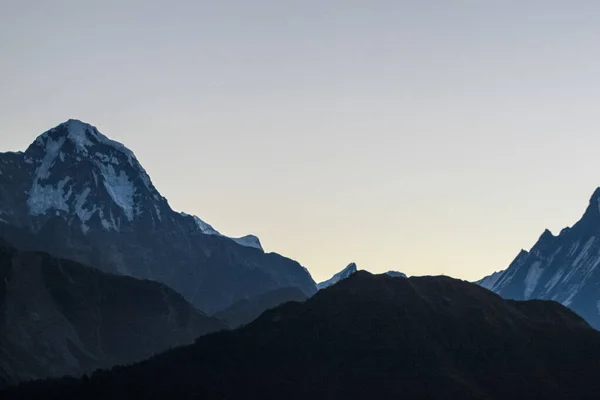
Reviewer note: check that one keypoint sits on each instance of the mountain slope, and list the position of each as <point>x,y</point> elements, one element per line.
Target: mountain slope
<point>372,337</point>
<point>58,317</point>
<point>348,271</point>
<point>90,200</point>
<point>564,268</point>
<point>247,310</point>
<point>343,274</point>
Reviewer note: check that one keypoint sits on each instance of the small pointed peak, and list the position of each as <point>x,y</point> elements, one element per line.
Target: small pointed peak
<point>343,274</point>
<point>350,268</point>
<point>546,235</point>
<point>593,209</point>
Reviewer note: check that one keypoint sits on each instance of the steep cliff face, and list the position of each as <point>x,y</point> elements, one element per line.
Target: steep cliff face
<point>89,199</point>
<point>58,317</point>
<point>564,268</point>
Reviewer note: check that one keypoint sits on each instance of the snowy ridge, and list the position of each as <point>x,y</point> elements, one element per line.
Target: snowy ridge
<point>343,274</point>
<point>207,229</point>
<point>563,268</point>
<point>75,146</point>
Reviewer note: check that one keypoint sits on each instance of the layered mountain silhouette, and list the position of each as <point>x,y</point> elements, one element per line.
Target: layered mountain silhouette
<point>247,310</point>
<point>349,270</point>
<point>564,268</point>
<point>89,199</point>
<point>58,317</point>
<point>343,274</point>
<point>371,336</point>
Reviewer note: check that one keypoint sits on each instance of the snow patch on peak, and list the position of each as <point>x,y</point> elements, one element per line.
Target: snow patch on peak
<point>532,279</point>
<point>204,227</point>
<point>45,197</point>
<point>343,274</point>
<point>120,188</point>
<point>78,132</point>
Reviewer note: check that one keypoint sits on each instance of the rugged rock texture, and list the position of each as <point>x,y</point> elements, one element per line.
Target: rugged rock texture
<point>89,199</point>
<point>58,317</point>
<point>371,337</point>
<point>564,268</point>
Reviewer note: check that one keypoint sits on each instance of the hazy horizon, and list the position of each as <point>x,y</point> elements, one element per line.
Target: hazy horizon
<point>428,137</point>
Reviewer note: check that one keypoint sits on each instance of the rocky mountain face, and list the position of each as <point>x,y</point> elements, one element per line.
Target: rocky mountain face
<point>58,317</point>
<point>371,337</point>
<point>564,268</point>
<point>88,199</point>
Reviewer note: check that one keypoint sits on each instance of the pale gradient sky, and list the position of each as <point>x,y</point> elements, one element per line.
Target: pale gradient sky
<point>431,137</point>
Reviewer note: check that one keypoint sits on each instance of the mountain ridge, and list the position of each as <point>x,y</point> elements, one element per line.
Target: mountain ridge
<point>75,183</point>
<point>561,267</point>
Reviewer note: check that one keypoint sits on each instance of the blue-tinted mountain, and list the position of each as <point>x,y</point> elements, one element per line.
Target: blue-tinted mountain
<point>58,317</point>
<point>89,199</point>
<point>563,268</point>
<point>343,274</point>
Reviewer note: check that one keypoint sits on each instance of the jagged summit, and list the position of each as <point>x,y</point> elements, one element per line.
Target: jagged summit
<point>564,268</point>
<point>89,199</point>
<point>593,210</point>
<point>343,274</point>
<point>76,170</point>
<point>83,135</point>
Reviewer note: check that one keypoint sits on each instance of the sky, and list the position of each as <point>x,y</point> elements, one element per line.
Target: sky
<point>429,137</point>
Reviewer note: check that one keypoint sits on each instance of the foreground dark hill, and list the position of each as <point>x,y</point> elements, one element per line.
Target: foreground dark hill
<point>58,317</point>
<point>90,200</point>
<point>563,268</point>
<point>371,337</point>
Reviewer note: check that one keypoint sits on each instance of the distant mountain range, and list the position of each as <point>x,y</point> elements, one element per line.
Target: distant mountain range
<point>564,268</point>
<point>87,198</point>
<point>373,337</point>
<point>58,317</point>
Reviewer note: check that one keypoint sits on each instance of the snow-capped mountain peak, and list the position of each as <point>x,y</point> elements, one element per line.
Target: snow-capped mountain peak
<point>343,274</point>
<point>76,170</point>
<point>564,268</point>
<point>82,135</point>
<point>87,198</point>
